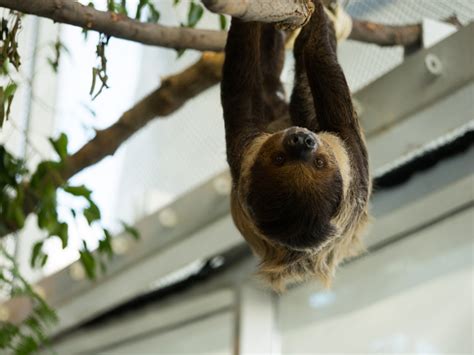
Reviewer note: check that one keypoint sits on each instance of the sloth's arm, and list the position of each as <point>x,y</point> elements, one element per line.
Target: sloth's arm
<point>241,89</point>
<point>331,97</point>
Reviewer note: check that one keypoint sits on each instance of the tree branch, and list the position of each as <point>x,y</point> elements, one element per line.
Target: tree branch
<point>172,94</point>
<point>73,13</point>
<point>120,26</point>
<point>385,35</point>
<point>289,12</point>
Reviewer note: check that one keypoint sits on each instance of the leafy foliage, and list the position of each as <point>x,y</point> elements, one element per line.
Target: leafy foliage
<point>100,71</point>
<point>43,185</point>
<point>9,29</point>
<point>28,336</point>
<point>8,37</point>
<point>16,194</point>
<point>12,171</point>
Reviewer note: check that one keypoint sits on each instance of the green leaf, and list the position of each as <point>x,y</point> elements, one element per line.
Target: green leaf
<point>111,5</point>
<point>61,231</point>
<point>44,260</point>
<point>8,331</point>
<point>92,213</point>
<point>53,64</point>
<point>19,215</point>
<point>39,181</point>
<point>10,90</point>
<point>26,345</point>
<point>88,261</point>
<point>195,13</point>
<point>2,106</point>
<point>105,244</point>
<point>222,22</point>
<point>80,190</point>
<point>176,2</point>
<point>6,98</point>
<point>47,208</point>
<point>60,145</point>
<point>154,16</point>
<point>180,52</point>
<point>95,72</point>
<point>36,253</point>
<point>47,217</point>
<point>131,230</point>
<point>44,311</point>
<point>85,33</point>
<point>140,6</point>
<point>5,69</point>
<point>35,325</point>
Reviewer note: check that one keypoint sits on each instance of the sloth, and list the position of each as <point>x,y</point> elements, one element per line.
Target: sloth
<point>300,176</point>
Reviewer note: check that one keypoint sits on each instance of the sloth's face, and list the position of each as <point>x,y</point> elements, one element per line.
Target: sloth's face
<point>295,188</point>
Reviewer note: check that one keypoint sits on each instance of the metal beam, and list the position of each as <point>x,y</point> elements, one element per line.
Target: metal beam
<point>418,82</point>
<point>153,321</point>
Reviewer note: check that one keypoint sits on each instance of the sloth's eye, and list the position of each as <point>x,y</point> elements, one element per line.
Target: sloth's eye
<point>319,163</point>
<point>279,159</point>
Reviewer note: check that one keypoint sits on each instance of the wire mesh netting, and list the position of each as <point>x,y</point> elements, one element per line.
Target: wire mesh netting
<point>363,62</point>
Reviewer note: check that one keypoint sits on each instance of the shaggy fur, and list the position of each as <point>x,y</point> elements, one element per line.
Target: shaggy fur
<point>301,216</point>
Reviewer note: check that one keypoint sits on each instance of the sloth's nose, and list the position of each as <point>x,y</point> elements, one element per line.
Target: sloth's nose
<point>300,144</point>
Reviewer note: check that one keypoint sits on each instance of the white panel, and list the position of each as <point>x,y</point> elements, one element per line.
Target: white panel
<point>435,31</point>
<point>435,121</point>
<point>414,296</point>
<point>155,319</point>
<point>257,333</point>
<point>209,336</point>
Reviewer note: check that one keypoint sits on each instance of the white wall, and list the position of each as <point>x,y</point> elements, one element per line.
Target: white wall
<point>414,296</point>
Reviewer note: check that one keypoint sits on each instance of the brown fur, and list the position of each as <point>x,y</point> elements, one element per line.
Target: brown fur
<point>302,217</point>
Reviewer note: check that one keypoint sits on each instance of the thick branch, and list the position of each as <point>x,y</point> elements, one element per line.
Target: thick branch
<point>112,24</point>
<point>73,13</point>
<point>173,93</point>
<point>290,12</point>
<point>385,35</point>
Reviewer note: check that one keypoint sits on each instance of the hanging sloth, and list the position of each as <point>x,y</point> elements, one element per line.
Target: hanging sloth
<point>300,194</point>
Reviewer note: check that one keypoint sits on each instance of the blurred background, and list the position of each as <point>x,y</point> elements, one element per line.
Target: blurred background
<point>187,286</point>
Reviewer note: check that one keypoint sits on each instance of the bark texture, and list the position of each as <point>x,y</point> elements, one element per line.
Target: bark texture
<point>73,13</point>
<point>120,26</point>
<point>291,13</point>
<point>385,35</point>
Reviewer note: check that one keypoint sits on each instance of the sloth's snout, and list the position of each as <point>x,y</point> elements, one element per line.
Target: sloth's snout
<point>300,143</point>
